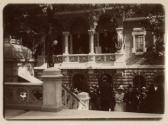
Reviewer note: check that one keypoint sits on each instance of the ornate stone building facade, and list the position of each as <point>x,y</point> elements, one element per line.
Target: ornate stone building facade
<point>100,43</point>
<point>87,44</point>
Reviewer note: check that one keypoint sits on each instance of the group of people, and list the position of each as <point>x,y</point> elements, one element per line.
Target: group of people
<point>146,99</point>
<point>142,99</point>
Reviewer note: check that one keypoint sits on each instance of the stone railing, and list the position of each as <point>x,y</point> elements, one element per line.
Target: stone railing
<point>49,95</point>
<point>23,95</point>
<point>69,99</point>
<point>81,58</point>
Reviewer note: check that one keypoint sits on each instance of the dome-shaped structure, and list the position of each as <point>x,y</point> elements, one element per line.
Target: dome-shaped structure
<point>18,62</point>
<point>15,52</point>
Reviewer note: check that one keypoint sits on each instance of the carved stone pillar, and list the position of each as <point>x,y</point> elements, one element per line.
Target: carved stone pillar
<point>71,44</point>
<point>66,36</point>
<point>66,46</point>
<point>91,41</point>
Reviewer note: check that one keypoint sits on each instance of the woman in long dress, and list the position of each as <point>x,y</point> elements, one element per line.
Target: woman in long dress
<point>119,97</point>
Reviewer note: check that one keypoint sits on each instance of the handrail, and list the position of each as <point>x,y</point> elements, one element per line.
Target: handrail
<point>72,94</point>
<point>22,83</point>
<point>75,96</point>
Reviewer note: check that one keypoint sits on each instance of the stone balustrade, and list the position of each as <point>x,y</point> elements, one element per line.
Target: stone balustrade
<point>83,58</point>
<point>23,95</point>
<point>49,95</point>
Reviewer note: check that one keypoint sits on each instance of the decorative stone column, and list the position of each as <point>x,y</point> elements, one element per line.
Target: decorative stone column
<point>91,46</point>
<point>91,40</point>
<point>71,44</point>
<point>120,38</point>
<point>66,45</point>
<point>52,90</point>
<point>66,36</point>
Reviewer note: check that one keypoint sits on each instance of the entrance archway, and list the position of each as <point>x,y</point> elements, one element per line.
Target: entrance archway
<point>80,36</point>
<point>107,33</point>
<point>80,82</point>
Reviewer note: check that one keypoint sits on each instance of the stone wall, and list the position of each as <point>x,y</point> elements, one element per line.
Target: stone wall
<point>126,76</point>
<point>119,76</point>
<point>10,71</point>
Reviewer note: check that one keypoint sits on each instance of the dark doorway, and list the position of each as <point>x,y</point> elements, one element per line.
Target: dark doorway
<point>80,82</point>
<point>107,33</point>
<point>107,41</point>
<point>80,36</point>
<point>80,43</point>
<point>107,99</point>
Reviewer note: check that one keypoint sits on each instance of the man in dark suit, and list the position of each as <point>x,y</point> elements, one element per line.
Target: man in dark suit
<point>131,99</point>
<point>155,97</point>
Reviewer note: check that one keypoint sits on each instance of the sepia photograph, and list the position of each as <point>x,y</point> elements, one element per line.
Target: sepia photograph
<point>90,61</point>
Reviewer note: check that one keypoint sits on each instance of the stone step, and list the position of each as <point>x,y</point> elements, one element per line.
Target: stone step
<point>82,114</point>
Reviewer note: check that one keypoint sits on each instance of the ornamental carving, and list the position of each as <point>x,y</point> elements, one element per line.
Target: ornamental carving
<point>73,59</point>
<point>110,58</point>
<point>99,58</point>
<point>83,58</point>
<point>93,18</point>
<point>37,94</point>
<point>22,95</point>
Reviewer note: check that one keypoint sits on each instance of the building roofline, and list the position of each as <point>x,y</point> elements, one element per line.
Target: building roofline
<point>140,18</point>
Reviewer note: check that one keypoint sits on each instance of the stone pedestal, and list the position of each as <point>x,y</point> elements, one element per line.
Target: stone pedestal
<point>84,98</point>
<point>52,90</point>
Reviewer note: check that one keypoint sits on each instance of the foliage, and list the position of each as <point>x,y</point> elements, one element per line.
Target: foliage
<point>157,51</point>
